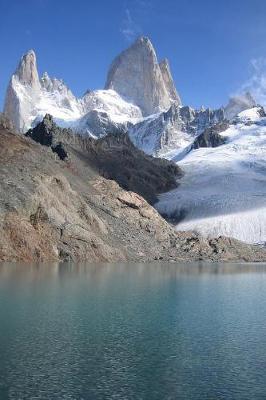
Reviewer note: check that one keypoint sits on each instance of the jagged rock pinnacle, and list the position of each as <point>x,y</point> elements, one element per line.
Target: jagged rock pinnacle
<point>27,72</point>
<point>168,80</point>
<point>137,76</point>
<point>26,76</point>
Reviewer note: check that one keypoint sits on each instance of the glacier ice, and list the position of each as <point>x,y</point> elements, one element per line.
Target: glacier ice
<point>223,191</point>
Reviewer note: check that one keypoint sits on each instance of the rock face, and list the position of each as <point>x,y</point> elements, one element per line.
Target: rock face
<point>238,104</point>
<point>173,129</point>
<point>168,81</point>
<point>138,77</point>
<point>210,137</point>
<point>5,123</point>
<point>27,73</point>
<point>53,210</point>
<point>45,132</point>
<point>116,158</point>
<point>23,92</point>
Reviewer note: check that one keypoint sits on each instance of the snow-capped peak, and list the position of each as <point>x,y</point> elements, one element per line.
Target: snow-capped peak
<point>26,72</point>
<point>29,98</point>
<point>250,115</point>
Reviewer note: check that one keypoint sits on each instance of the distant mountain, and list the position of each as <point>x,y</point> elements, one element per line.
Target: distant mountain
<point>29,98</point>
<point>139,98</point>
<point>172,129</point>
<point>137,85</point>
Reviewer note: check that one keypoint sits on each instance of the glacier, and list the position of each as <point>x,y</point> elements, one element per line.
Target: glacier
<point>223,190</point>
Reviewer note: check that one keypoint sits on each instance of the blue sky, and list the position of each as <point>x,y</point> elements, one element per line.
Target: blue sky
<point>213,46</point>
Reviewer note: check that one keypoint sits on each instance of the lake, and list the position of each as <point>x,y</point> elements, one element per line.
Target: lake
<point>154,331</point>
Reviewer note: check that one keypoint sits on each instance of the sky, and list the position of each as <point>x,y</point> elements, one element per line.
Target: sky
<point>215,48</point>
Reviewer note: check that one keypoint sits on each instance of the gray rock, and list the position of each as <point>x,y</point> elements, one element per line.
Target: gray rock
<point>168,81</point>
<point>210,137</point>
<point>27,72</point>
<point>5,122</point>
<point>47,133</point>
<point>173,129</point>
<point>17,109</point>
<point>137,76</point>
<point>98,124</point>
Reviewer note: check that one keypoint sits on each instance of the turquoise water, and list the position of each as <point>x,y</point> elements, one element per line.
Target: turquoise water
<point>133,332</point>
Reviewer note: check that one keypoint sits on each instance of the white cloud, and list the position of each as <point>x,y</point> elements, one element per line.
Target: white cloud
<point>129,28</point>
<point>256,84</point>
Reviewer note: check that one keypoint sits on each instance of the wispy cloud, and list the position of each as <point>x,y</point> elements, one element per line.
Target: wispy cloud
<point>137,13</point>
<point>129,28</point>
<point>256,84</point>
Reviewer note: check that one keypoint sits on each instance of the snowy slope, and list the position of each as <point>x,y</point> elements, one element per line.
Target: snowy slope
<point>173,129</point>
<point>29,98</point>
<point>223,191</point>
<point>89,114</point>
<point>69,111</point>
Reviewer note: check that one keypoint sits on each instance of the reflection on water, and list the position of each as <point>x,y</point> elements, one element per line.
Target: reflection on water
<point>140,331</point>
<point>40,271</point>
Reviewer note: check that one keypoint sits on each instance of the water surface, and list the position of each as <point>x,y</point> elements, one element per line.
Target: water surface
<point>133,332</point>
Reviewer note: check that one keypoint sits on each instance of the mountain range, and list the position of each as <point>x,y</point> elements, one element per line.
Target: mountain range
<point>221,152</point>
<point>139,98</point>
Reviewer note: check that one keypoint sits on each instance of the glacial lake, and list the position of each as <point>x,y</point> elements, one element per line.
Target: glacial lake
<point>140,331</point>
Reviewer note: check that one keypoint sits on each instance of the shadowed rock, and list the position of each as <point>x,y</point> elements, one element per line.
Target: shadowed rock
<point>210,137</point>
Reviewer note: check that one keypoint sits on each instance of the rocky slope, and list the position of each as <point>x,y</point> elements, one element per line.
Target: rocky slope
<point>5,122</point>
<point>114,157</point>
<point>64,210</point>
